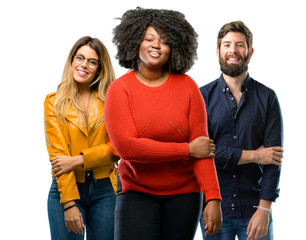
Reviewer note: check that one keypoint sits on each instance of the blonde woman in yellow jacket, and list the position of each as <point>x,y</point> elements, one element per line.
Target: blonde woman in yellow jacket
<point>82,194</point>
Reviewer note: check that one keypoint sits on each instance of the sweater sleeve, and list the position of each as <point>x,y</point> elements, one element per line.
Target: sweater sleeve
<point>124,136</point>
<point>204,169</point>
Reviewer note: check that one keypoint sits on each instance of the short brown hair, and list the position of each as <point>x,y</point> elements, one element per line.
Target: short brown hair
<point>236,26</point>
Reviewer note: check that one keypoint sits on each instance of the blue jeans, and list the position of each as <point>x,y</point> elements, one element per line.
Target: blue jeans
<point>97,205</point>
<point>235,227</point>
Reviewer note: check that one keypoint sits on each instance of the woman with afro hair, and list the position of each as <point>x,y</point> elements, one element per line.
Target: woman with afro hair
<point>156,118</point>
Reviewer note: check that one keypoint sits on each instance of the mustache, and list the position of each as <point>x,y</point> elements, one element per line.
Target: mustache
<point>236,55</point>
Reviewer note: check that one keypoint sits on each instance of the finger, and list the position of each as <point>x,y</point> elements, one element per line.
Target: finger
<point>55,169</point>
<point>56,157</point>
<point>58,174</point>
<point>278,149</point>
<point>205,220</point>
<point>277,162</point>
<point>251,235</point>
<point>82,223</point>
<point>249,228</point>
<point>54,162</point>
<point>278,154</point>
<point>209,229</point>
<point>67,226</point>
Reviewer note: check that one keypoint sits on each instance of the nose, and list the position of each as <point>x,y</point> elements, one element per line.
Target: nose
<point>84,63</point>
<point>233,48</point>
<point>156,44</point>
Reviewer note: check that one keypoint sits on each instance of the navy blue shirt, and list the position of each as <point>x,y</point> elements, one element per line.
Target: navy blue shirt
<point>255,122</point>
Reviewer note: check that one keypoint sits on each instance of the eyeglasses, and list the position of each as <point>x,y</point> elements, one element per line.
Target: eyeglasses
<point>91,62</point>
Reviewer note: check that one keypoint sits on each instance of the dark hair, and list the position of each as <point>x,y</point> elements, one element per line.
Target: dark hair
<point>236,26</point>
<point>169,24</point>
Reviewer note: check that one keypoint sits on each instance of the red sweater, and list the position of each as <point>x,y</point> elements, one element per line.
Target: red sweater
<point>150,128</point>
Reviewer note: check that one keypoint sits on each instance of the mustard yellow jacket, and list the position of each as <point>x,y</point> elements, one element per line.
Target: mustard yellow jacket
<point>73,139</point>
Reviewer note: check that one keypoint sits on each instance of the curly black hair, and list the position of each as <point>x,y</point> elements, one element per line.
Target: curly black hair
<point>169,24</point>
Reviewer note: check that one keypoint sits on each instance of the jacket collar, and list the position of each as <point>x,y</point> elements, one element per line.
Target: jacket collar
<point>96,115</point>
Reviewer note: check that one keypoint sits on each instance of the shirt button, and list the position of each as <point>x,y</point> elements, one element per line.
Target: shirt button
<point>234,195</point>
<point>233,209</point>
<point>234,137</point>
<point>233,205</point>
<point>232,98</point>
<point>234,176</point>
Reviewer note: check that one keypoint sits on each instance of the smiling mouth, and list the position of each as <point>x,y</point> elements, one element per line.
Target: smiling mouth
<point>232,60</point>
<point>82,73</point>
<point>154,54</point>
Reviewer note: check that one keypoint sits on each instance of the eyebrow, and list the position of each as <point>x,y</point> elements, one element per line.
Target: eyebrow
<point>235,42</point>
<point>150,34</point>
<point>86,57</point>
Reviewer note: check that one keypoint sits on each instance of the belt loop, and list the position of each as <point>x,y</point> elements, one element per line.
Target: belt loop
<point>89,175</point>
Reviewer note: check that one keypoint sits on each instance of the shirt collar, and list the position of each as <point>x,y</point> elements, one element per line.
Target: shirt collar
<point>245,86</point>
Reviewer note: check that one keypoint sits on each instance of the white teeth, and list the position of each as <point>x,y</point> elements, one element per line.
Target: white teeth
<point>154,54</point>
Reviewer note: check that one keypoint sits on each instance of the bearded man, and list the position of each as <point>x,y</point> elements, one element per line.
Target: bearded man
<point>245,122</point>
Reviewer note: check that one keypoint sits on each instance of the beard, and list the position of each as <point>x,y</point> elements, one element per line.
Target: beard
<point>234,70</point>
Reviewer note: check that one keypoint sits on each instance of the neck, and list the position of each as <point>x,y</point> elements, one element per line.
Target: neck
<point>84,89</point>
<point>235,83</point>
<point>85,93</point>
<point>151,77</point>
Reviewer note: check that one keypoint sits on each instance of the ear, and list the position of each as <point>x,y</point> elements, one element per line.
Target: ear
<point>251,52</point>
<point>218,52</point>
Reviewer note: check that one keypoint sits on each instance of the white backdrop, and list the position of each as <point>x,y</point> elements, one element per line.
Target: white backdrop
<point>36,37</point>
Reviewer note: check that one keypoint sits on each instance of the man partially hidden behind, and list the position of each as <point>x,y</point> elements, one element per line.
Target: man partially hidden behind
<point>245,122</point>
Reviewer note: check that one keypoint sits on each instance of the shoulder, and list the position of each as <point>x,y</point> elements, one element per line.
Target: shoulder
<point>51,97</point>
<point>262,88</point>
<point>184,79</point>
<point>209,87</point>
<point>123,81</point>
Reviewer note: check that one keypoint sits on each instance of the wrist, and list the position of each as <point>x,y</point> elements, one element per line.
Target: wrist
<point>247,156</point>
<point>79,160</point>
<point>72,206</point>
<point>214,202</point>
<point>263,208</point>
<point>68,204</point>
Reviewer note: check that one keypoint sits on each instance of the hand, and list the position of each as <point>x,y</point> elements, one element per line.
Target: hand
<point>201,147</point>
<point>63,164</point>
<point>270,155</point>
<point>258,225</point>
<point>73,219</point>
<point>212,217</point>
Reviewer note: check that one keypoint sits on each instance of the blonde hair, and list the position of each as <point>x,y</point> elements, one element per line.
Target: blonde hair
<point>68,89</point>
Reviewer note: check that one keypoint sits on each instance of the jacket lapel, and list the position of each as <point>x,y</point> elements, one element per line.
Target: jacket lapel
<point>72,116</point>
<point>95,118</point>
<point>96,114</point>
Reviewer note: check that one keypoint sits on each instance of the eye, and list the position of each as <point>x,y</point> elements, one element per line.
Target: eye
<point>93,62</point>
<point>79,58</point>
